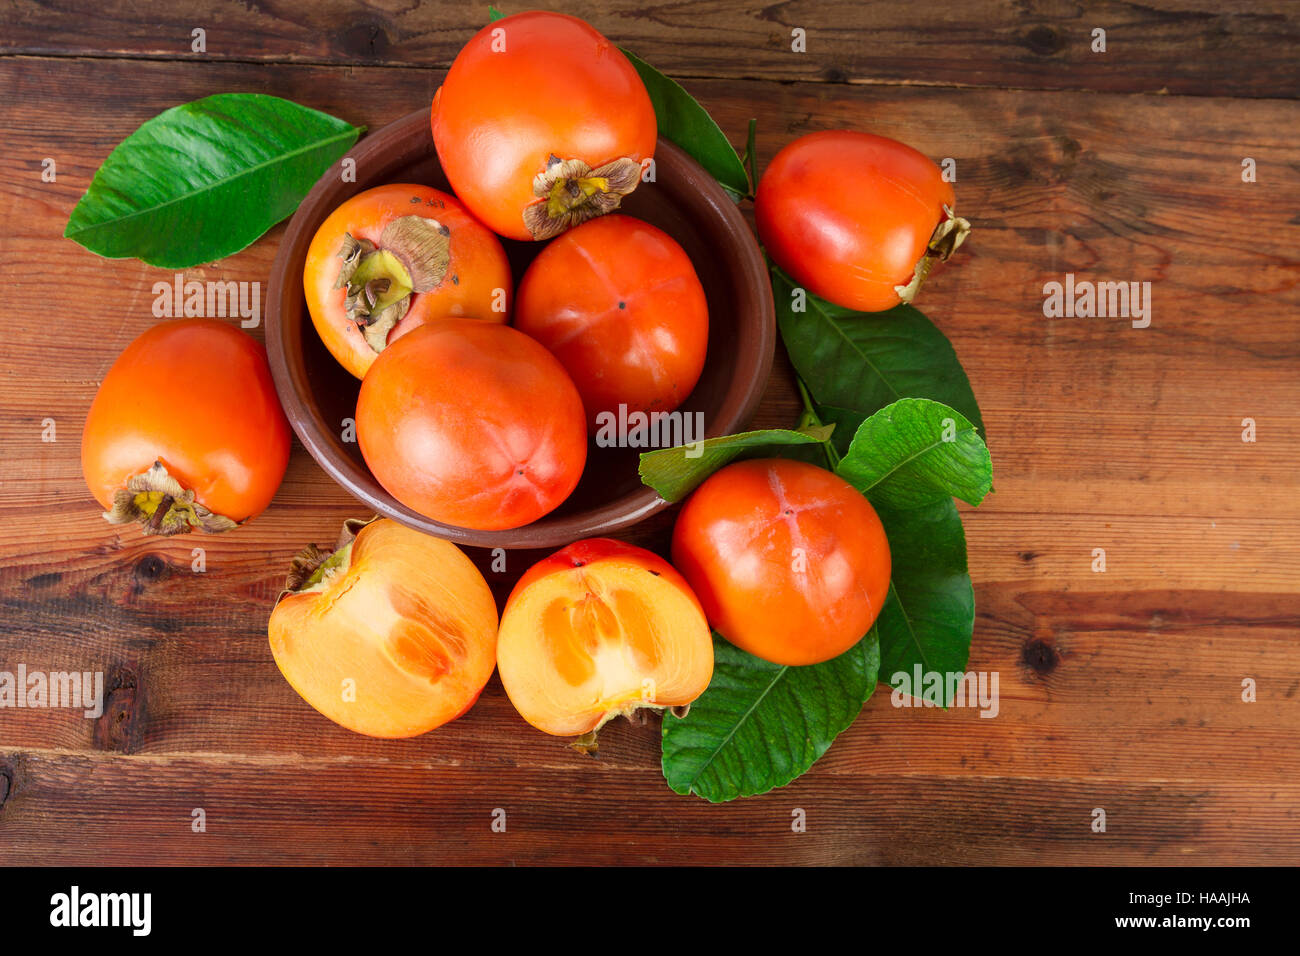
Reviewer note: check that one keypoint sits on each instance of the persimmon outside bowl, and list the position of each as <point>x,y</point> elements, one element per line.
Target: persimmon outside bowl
<point>684,201</point>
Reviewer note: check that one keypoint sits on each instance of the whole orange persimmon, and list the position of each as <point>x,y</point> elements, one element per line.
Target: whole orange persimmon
<point>790,561</point>
<point>394,257</point>
<point>472,424</point>
<point>186,431</point>
<point>391,635</point>
<point>618,302</point>
<point>542,123</point>
<point>598,629</point>
<point>855,218</point>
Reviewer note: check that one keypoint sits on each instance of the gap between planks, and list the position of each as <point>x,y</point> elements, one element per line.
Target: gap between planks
<point>292,761</point>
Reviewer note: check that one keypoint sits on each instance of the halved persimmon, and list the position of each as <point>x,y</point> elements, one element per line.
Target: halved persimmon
<point>598,629</point>
<point>392,635</point>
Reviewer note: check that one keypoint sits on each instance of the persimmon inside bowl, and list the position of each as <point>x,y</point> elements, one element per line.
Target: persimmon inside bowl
<point>320,396</point>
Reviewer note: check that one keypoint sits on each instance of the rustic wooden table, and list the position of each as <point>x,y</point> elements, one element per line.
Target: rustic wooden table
<point>1120,689</point>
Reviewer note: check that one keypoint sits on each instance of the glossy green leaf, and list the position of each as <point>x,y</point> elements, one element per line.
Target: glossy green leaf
<point>916,452</point>
<point>676,472</point>
<point>760,725</point>
<point>856,363</point>
<point>201,181</point>
<point>929,616</point>
<point>685,122</point>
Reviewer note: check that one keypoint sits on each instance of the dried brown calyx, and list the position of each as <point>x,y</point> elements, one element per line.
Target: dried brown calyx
<point>412,256</point>
<point>571,192</point>
<point>948,236</point>
<point>161,505</point>
<point>312,568</point>
<point>638,715</point>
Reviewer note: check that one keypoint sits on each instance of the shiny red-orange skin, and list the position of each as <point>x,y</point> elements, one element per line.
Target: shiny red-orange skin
<point>789,561</point>
<point>848,215</point>
<point>618,302</point>
<point>589,551</point>
<point>197,395</point>
<point>559,88</point>
<point>472,424</point>
<point>478,268</point>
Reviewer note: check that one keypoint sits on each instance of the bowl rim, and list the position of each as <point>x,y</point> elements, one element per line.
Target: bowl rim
<point>743,394</point>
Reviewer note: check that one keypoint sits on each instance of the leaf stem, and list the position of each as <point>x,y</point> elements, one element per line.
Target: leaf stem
<point>751,159</point>
<point>811,418</point>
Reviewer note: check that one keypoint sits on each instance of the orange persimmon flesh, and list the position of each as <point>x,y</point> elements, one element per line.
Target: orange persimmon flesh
<point>396,639</point>
<point>597,630</point>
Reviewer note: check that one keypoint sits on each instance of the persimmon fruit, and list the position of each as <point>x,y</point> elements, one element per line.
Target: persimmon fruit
<point>394,257</point>
<point>855,218</point>
<point>391,635</point>
<point>472,424</point>
<point>186,431</point>
<point>789,561</point>
<point>618,302</point>
<point>597,630</point>
<point>542,123</point>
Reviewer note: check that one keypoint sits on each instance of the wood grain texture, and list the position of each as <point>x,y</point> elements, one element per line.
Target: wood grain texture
<point>1193,47</point>
<point>1119,690</point>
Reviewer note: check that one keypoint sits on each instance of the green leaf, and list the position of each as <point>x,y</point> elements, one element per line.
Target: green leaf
<point>856,363</point>
<point>760,725</point>
<point>685,122</point>
<point>846,422</point>
<point>201,181</point>
<point>750,159</point>
<point>929,616</point>
<point>916,452</point>
<point>676,472</point>
<point>494,14</point>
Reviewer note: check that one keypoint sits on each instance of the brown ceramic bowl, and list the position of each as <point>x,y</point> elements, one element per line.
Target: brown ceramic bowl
<point>318,394</point>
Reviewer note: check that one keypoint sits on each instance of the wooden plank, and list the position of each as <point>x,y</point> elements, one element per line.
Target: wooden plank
<point>1119,689</point>
<point>1174,46</point>
<point>1113,686</point>
<point>78,809</point>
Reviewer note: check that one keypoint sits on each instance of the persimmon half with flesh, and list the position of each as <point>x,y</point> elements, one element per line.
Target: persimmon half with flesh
<point>391,635</point>
<point>598,629</point>
<point>394,257</point>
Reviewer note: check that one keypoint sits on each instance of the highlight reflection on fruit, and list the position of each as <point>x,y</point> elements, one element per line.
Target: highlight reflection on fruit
<point>392,635</point>
<point>789,560</point>
<point>600,629</point>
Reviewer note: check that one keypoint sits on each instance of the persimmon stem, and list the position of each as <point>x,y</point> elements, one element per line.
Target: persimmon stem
<point>161,505</point>
<point>570,192</point>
